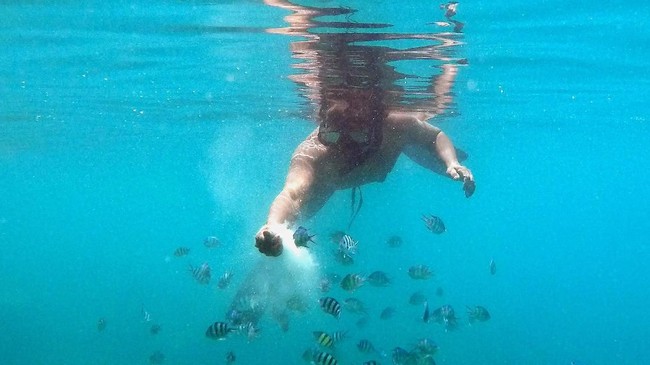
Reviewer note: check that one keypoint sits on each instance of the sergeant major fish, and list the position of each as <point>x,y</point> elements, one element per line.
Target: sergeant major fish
<point>181,251</point>
<point>211,242</point>
<point>301,237</point>
<point>446,316</point>
<point>218,330</point>
<point>378,278</point>
<point>348,246</point>
<point>477,313</point>
<point>201,273</point>
<point>331,306</point>
<point>434,224</point>
<point>324,339</point>
<point>224,280</point>
<point>420,272</point>
<point>324,358</point>
<point>352,282</point>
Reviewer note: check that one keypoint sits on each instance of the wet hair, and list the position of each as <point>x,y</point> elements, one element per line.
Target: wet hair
<point>353,108</point>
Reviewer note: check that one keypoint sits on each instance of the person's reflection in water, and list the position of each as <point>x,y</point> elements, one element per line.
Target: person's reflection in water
<point>362,126</point>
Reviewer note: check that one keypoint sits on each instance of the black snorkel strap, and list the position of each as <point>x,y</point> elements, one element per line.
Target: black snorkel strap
<point>354,212</point>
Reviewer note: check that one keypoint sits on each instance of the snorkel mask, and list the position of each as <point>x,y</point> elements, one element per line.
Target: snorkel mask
<point>330,135</point>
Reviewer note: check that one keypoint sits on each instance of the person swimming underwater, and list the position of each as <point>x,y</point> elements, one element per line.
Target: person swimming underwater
<point>357,142</point>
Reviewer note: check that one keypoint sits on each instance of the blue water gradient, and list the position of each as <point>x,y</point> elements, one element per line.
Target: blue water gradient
<point>128,130</point>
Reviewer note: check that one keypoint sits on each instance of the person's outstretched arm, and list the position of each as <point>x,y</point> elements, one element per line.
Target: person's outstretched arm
<point>296,194</point>
<point>430,147</point>
<point>287,205</point>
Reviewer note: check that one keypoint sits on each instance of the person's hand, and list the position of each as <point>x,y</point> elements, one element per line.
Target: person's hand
<point>268,242</point>
<point>458,172</point>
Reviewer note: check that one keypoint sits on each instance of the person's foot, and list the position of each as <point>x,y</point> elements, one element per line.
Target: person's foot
<point>268,242</point>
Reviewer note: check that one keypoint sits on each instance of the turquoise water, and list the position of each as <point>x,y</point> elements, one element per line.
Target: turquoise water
<point>128,130</point>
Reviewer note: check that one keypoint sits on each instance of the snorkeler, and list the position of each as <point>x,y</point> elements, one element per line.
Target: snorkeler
<point>356,143</point>
<point>364,121</point>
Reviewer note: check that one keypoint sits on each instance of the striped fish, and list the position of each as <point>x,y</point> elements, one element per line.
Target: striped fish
<point>331,306</point>
<point>324,339</point>
<point>365,346</point>
<point>339,336</point>
<point>211,242</point>
<point>426,347</point>
<point>371,362</point>
<point>181,251</point>
<point>224,280</point>
<point>420,272</point>
<point>324,358</point>
<point>352,282</point>
<point>434,224</point>
<point>201,273</point>
<point>218,330</point>
<point>347,245</point>
<point>401,356</point>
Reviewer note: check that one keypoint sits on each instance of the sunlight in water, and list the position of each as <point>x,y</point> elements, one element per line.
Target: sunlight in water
<point>298,261</point>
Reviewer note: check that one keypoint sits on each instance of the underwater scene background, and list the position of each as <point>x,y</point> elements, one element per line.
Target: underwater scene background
<point>131,129</point>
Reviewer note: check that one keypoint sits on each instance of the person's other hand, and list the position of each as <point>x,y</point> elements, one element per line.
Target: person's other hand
<point>458,172</point>
<point>268,242</point>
